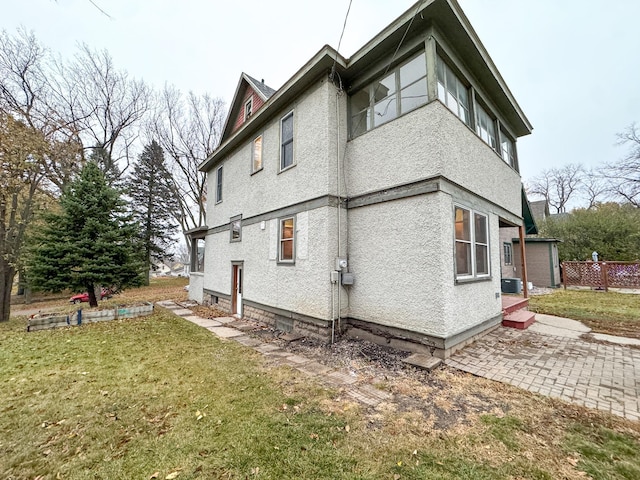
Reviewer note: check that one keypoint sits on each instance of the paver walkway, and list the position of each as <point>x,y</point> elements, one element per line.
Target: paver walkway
<point>546,359</point>
<point>336,378</point>
<point>596,375</point>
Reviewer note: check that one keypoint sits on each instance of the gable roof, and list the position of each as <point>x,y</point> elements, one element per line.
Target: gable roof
<point>245,81</point>
<point>540,209</point>
<point>263,90</point>
<point>413,23</point>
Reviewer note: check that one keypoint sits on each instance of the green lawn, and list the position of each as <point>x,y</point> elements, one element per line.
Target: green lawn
<point>605,312</point>
<point>158,397</point>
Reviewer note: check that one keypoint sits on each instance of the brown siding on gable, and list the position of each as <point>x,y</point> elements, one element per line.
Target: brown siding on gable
<point>257,103</point>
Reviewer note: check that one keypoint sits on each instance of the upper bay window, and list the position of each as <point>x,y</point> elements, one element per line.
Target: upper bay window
<point>486,127</point>
<point>472,244</point>
<point>286,141</point>
<point>508,149</point>
<point>452,92</point>
<point>398,92</point>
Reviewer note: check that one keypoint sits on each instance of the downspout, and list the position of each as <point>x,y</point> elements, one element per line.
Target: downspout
<point>338,93</point>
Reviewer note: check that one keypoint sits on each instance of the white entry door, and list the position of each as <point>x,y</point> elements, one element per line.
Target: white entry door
<point>236,294</point>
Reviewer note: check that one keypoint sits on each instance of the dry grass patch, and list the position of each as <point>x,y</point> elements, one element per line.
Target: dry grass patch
<point>605,312</point>
<point>161,288</point>
<point>160,396</point>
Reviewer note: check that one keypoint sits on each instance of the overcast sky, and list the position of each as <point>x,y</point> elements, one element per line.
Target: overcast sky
<point>572,65</point>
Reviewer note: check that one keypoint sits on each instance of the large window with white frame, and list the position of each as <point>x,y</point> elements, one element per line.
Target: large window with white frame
<point>286,240</point>
<point>471,244</point>
<point>399,91</point>
<point>452,92</point>
<point>219,184</point>
<point>256,154</point>
<point>286,141</point>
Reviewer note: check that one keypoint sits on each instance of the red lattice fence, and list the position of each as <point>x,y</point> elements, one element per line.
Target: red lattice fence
<point>601,274</point>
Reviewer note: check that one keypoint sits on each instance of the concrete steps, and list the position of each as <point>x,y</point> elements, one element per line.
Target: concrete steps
<point>515,313</point>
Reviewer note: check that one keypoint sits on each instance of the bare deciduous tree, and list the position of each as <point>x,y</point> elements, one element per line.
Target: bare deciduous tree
<point>558,185</point>
<point>595,187</point>
<point>101,104</point>
<point>188,128</point>
<point>22,80</point>
<point>624,175</point>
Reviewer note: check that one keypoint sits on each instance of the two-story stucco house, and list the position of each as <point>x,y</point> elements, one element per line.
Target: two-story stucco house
<point>365,196</point>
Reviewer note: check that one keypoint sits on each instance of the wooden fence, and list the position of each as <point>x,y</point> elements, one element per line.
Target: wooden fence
<point>603,275</point>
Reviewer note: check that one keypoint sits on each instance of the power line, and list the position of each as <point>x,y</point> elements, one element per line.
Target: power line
<point>389,64</point>
<point>344,26</point>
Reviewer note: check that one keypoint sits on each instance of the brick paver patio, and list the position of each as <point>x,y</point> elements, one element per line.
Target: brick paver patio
<point>601,376</point>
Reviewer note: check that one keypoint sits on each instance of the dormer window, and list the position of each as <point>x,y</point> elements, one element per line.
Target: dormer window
<point>248,109</point>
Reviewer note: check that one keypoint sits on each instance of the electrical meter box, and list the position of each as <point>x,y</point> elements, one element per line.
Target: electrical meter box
<point>347,278</point>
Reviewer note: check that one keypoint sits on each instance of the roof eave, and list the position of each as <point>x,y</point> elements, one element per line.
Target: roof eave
<point>426,12</point>
<point>319,63</point>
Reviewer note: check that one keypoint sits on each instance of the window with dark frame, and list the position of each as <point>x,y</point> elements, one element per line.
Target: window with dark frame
<point>197,255</point>
<point>256,154</point>
<point>219,184</point>
<point>286,251</point>
<point>508,253</point>
<point>248,108</point>
<point>236,229</point>
<point>286,141</point>
<point>471,244</point>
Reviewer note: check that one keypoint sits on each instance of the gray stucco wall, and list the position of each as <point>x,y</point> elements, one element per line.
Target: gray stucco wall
<point>470,304</point>
<point>196,285</point>
<point>401,253</point>
<point>269,189</point>
<point>396,250</point>
<point>427,142</point>
<point>303,288</point>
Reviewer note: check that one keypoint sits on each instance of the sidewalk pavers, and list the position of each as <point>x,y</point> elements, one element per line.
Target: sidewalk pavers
<point>222,327</point>
<point>225,332</point>
<point>596,375</point>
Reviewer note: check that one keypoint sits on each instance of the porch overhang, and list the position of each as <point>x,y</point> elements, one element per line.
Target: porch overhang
<point>530,226</point>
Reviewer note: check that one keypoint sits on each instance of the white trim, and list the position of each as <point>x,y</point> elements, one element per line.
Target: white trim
<point>473,243</point>
<point>253,146</point>
<point>248,102</point>
<point>293,240</point>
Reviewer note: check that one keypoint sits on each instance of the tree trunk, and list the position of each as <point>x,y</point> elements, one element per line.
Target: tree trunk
<point>7,274</point>
<point>93,302</point>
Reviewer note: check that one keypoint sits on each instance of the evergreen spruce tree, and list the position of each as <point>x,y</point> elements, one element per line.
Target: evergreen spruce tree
<point>90,242</point>
<point>154,205</point>
<point>101,157</point>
